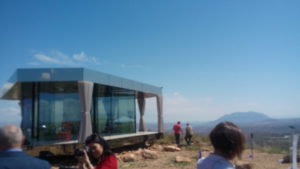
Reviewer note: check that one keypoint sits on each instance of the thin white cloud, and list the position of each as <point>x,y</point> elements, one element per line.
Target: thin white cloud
<point>46,59</point>
<point>80,56</point>
<point>56,57</point>
<point>59,58</point>
<point>62,58</point>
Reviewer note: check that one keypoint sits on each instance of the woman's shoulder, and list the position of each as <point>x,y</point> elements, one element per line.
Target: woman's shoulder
<point>109,162</point>
<point>111,157</point>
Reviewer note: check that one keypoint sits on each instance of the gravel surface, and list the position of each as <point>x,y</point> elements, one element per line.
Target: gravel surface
<point>166,160</point>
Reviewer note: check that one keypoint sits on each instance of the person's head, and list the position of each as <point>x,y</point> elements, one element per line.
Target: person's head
<point>227,140</point>
<point>11,136</point>
<point>187,124</point>
<point>98,146</point>
<point>178,122</point>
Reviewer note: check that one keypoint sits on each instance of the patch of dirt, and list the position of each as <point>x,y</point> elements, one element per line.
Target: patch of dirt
<point>166,160</point>
<point>265,160</point>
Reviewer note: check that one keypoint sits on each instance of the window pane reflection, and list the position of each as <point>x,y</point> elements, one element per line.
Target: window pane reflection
<point>114,110</point>
<point>59,111</point>
<point>51,111</point>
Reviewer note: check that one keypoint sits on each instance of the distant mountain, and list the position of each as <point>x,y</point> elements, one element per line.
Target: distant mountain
<point>273,126</point>
<point>251,122</point>
<point>243,117</point>
<point>254,122</point>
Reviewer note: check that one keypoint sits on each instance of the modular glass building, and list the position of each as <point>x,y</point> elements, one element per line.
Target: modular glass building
<point>65,104</point>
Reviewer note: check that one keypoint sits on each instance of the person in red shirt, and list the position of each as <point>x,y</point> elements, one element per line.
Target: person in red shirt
<point>100,154</point>
<point>177,130</point>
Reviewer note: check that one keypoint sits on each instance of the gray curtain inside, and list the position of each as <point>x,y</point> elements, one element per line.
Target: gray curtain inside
<point>85,94</point>
<point>141,103</point>
<point>159,101</point>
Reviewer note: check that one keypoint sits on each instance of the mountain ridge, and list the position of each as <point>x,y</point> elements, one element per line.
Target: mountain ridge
<point>248,121</point>
<point>243,117</point>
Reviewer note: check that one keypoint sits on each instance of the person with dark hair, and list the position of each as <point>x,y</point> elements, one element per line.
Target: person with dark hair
<point>177,130</point>
<point>228,142</point>
<point>100,153</point>
<point>188,134</point>
<point>11,153</point>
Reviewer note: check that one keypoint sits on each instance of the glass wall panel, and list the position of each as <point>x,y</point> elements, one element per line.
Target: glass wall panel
<point>51,111</point>
<point>59,111</point>
<point>123,111</point>
<point>114,110</point>
<point>27,110</point>
<point>102,115</point>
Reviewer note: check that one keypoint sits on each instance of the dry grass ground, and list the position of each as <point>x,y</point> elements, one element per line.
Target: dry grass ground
<point>166,160</point>
<point>263,160</point>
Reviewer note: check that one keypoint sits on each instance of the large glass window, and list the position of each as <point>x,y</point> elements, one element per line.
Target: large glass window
<point>114,111</point>
<point>51,111</point>
<point>59,111</point>
<point>27,111</point>
<point>102,104</point>
<point>123,104</point>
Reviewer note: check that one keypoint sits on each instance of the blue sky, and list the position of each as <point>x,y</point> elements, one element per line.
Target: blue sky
<point>210,57</point>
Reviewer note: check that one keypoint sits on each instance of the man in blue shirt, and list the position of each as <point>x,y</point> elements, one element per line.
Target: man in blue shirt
<point>11,154</point>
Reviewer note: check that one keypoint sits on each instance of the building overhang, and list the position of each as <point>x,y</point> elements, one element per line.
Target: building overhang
<point>11,90</point>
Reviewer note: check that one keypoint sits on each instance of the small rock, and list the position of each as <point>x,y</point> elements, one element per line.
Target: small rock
<point>148,154</point>
<point>171,148</point>
<point>179,159</point>
<point>157,147</point>
<point>129,157</point>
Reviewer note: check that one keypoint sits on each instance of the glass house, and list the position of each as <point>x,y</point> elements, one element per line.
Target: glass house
<point>68,104</point>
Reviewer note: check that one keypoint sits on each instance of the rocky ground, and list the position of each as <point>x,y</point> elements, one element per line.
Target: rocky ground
<point>165,155</point>
<point>160,157</point>
<point>167,160</point>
